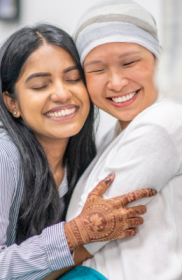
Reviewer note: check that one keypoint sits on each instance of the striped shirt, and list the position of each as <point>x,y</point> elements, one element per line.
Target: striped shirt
<point>38,256</point>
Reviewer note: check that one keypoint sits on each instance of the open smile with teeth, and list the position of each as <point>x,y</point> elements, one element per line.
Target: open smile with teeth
<point>124,98</point>
<point>61,113</point>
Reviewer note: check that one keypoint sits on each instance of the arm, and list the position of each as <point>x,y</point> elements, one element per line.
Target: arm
<point>80,255</point>
<point>102,220</point>
<point>40,255</point>
<point>36,257</point>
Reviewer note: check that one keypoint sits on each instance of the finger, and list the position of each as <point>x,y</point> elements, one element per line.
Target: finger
<point>123,200</point>
<point>103,185</point>
<point>133,222</point>
<point>127,233</point>
<point>135,211</point>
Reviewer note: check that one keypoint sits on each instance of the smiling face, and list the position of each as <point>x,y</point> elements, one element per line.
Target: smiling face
<point>51,97</point>
<point>119,79</point>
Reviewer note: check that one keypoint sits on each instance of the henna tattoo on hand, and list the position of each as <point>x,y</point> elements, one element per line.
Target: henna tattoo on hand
<point>105,220</point>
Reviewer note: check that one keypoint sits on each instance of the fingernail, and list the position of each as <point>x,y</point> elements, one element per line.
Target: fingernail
<point>107,181</point>
<point>154,192</point>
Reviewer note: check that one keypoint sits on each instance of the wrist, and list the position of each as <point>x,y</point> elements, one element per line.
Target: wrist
<point>76,233</point>
<point>81,255</point>
<point>71,240</point>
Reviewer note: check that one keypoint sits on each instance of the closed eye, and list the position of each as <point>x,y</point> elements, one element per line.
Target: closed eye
<point>97,71</point>
<point>129,63</point>
<point>39,88</point>
<point>74,81</point>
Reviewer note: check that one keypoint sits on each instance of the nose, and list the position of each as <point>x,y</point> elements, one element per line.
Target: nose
<point>116,81</point>
<point>61,93</point>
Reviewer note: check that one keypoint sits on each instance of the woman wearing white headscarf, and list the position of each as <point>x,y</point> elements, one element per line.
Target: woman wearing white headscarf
<point>119,48</point>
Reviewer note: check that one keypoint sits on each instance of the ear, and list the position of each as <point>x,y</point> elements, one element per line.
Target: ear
<point>11,104</point>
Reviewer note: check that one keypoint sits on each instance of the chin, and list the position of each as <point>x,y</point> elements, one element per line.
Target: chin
<point>127,119</point>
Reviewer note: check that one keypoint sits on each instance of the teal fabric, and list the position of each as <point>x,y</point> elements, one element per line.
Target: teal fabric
<point>82,273</point>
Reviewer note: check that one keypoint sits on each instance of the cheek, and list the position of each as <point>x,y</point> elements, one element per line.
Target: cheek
<point>95,86</point>
<point>143,75</point>
<point>83,96</point>
<point>30,108</point>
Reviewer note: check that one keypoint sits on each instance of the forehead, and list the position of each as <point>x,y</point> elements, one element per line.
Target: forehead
<point>109,50</point>
<point>48,57</point>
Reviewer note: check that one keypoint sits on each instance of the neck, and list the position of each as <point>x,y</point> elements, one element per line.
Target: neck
<point>55,150</point>
<point>154,98</point>
<point>124,124</point>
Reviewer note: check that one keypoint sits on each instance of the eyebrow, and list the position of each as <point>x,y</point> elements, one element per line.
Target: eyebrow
<point>92,62</point>
<point>35,75</point>
<point>127,53</point>
<point>70,69</point>
<point>100,61</point>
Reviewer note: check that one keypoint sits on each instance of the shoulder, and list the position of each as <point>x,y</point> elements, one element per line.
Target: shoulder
<point>11,175</point>
<point>165,115</point>
<point>8,152</point>
<point>158,129</point>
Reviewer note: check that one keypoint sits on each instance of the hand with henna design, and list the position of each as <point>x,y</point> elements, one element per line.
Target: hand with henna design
<point>105,220</point>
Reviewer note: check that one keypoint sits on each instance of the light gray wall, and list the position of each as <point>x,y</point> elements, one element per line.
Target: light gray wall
<point>65,14</point>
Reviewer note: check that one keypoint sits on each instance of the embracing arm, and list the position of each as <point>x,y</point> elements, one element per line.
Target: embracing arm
<point>80,255</point>
<point>102,220</point>
<point>36,257</point>
<point>40,255</point>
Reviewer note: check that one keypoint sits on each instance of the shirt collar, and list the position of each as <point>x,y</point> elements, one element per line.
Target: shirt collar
<point>63,188</point>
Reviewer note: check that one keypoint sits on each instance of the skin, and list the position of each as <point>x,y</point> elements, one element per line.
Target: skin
<point>118,69</point>
<point>58,86</point>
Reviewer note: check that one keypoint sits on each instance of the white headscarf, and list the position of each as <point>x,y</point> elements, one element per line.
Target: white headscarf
<point>116,21</point>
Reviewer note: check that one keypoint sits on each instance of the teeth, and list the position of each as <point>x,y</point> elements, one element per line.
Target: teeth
<point>62,113</point>
<point>124,98</point>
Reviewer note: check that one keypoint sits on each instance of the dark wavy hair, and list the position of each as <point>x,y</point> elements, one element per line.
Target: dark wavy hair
<point>40,205</point>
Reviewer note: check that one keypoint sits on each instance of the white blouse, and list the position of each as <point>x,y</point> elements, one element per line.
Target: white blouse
<point>147,154</point>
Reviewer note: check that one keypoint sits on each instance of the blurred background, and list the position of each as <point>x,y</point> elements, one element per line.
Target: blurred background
<point>65,14</point>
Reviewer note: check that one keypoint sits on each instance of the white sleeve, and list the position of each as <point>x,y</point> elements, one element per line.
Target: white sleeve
<point>146,157</point>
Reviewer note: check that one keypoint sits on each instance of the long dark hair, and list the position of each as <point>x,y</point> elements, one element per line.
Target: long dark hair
<point>40,205</point>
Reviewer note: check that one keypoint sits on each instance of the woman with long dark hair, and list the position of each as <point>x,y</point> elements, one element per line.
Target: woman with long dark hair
<point>46,143</point>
